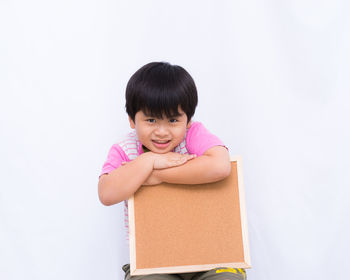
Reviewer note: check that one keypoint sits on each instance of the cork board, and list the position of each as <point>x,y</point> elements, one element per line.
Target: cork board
<point>188,228</point>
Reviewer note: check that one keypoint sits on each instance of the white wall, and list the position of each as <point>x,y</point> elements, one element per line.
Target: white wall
<point>273,81</point>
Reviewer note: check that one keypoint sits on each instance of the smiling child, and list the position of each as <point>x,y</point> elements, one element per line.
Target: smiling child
<point>164,146</point>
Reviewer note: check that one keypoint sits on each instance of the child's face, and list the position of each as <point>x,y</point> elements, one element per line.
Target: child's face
<point>160,135</point>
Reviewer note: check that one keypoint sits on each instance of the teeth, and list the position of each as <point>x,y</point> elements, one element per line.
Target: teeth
<point>161,142</point>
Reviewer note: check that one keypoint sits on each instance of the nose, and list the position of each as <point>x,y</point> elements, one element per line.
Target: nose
<point>161,131</point>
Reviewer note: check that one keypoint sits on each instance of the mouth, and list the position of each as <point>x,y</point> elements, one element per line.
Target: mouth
<point>161,144</point>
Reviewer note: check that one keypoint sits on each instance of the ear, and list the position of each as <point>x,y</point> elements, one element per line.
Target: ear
<point>132,123</point>
<point>189,124</point>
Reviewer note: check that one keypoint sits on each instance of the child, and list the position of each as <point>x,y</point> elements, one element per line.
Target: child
<point>165,146</point>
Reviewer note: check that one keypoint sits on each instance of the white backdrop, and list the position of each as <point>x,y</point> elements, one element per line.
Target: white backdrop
<point>273,82</point>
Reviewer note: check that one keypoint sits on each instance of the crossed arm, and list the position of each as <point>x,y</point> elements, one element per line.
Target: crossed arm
<point>151,169</point>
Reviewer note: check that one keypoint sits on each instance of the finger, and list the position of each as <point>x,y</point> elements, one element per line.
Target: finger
<point>181,160</point>
<point>188,157</point>
<point>192,156</point>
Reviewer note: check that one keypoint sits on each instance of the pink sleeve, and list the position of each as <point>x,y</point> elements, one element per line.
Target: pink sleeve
<point>114,159</point>
<point>199,139</point>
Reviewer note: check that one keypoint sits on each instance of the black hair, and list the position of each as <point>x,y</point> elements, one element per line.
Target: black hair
<point>159,88</point>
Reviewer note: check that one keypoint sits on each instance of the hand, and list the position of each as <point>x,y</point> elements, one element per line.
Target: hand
<point>151,180</point>
<point>162,161</point>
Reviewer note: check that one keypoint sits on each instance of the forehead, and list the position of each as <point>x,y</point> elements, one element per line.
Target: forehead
<point>147,113</point>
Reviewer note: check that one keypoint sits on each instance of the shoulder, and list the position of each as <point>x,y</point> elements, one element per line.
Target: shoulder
<point>197,128</point>
<point>130,145</point>
<point>122,151</point>
<point>199,139</point>
<point>116,154</point>
<point>129,140</point>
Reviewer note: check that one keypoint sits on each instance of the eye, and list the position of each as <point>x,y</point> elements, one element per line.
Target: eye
<point>151,120</point>
<point>173,120</point>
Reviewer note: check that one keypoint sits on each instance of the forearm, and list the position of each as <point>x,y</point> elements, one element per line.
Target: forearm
<point>124,181</point>
<point>201,170</point>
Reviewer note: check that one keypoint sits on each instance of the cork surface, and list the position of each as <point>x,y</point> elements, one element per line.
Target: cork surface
<point>178,225</point>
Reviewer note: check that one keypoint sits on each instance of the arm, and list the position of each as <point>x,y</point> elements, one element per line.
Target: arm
<point>212,166</point>
<point>125,180</point>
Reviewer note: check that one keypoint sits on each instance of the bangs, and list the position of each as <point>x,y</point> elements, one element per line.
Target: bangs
<point>160,104</point>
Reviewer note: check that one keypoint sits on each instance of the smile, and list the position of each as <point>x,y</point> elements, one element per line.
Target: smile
<point>161,144</point>
<point>161,141</point>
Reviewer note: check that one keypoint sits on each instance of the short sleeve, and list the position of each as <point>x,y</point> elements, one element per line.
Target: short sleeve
<point>115,157</point>
<point>199,139</point>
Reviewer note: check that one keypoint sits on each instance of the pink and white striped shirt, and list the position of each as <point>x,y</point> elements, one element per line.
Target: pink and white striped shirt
<point>196,141</point>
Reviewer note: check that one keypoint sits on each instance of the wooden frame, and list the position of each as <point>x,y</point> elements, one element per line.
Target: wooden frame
<point>151,239</point>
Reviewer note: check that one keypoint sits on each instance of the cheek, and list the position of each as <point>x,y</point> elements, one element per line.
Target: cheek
<point>143,132</point>
<point>180,133</point>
